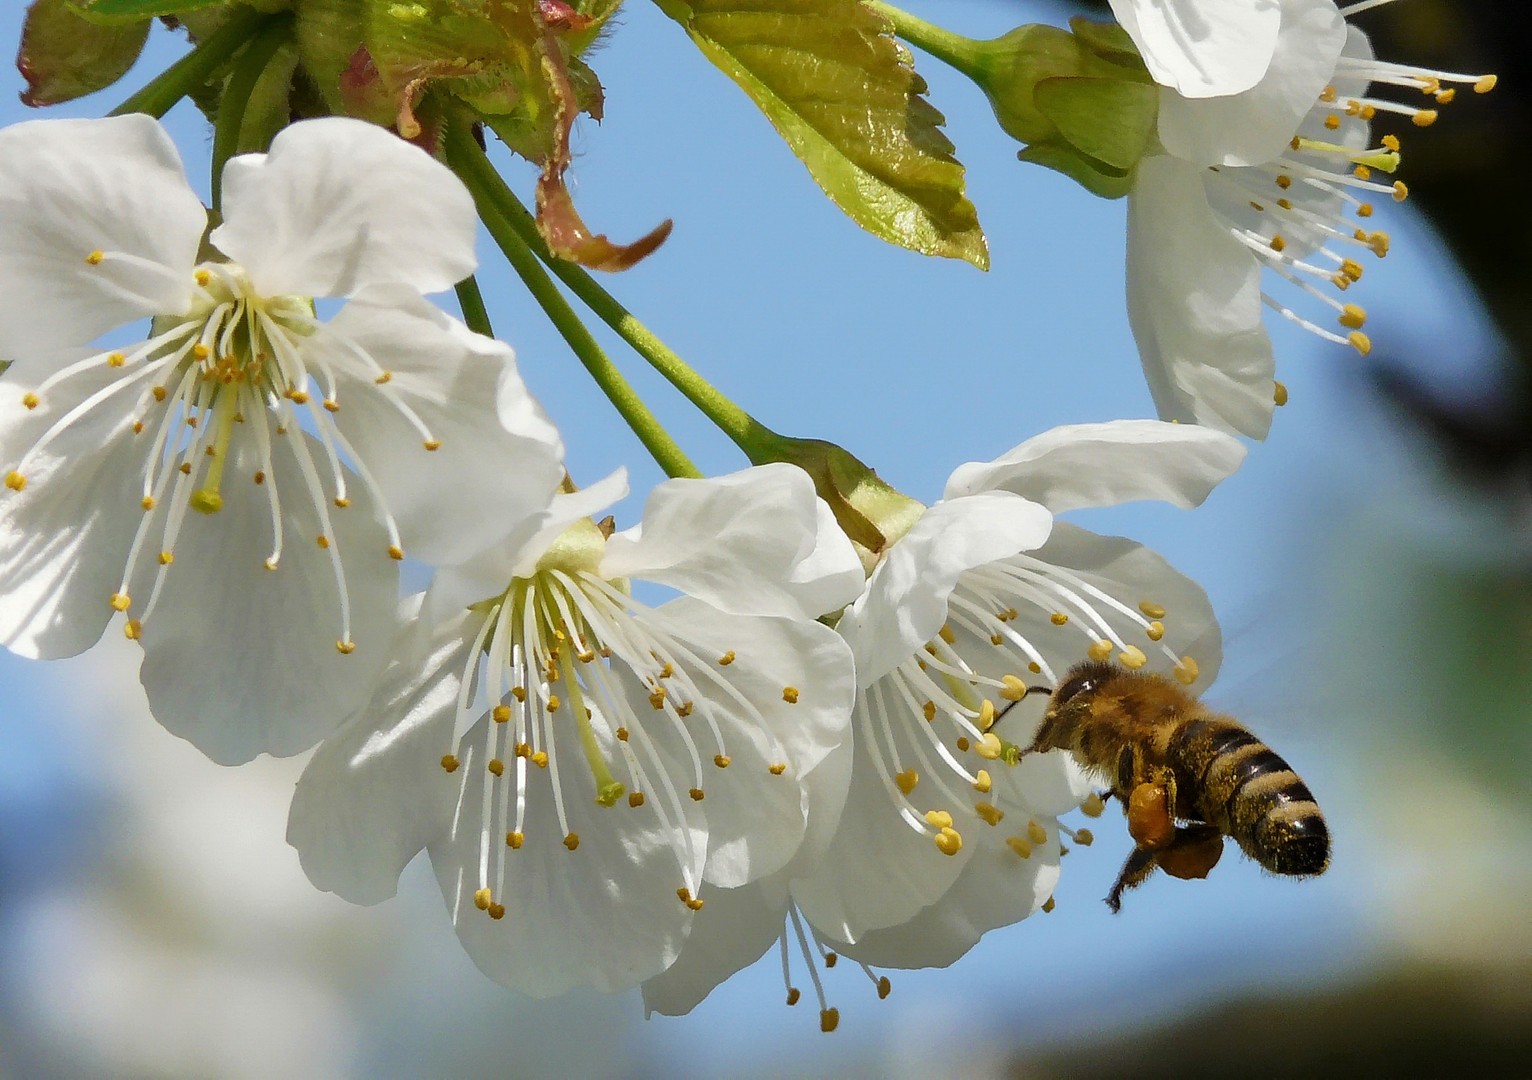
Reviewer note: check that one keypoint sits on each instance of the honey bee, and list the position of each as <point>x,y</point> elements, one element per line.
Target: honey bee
<point>1186,776</point>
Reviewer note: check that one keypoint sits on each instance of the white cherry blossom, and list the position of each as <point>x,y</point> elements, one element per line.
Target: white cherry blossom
<point>242,484</point>
<point>580,764</point>
<point>1201,49</point>
<point>1274,183</point>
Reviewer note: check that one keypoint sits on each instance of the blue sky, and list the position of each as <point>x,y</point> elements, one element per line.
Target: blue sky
<point>917,365</point>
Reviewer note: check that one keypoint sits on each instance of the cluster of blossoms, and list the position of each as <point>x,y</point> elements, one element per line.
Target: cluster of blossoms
<point>789,706</point>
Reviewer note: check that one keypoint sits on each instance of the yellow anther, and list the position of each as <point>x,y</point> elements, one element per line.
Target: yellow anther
<point>572,841</point>
<point>1257,207</point>
<point>481,899</point>
<point>540,759</point>
<point>331,405</point>
<point>962,743</point>
<point>1401,192</point>
<point>133,629</point>
<point>497,911</point>
<point>657,697</point>
<point>1286,204</point>
<point>906,780</point>
<point>1353,316</point>
<point>259,477</point>
<point>1151,611</point>
<point>949,842</point>
<point>635,799</point>
<point>115,359</point>
<point>988,747</point>
<point>1485,84</point>
<point>1013,689</point>
<point>1058,618</point>
<point>989,813</point>
<point>340,500</point>
<point>29,400</point>
<point>1279,398</point>
<point>928,710</point>
<point>1186,670</point>
<point>793,995</point>
<point>1277,244</point>
<point>1036,833</point>
<point>432,444</point>
<point>684,709</point>
<point>1424,118</point>
<point>1019,845</point>
<point>185,468</point>
<point>726,659</point>
<point>1084,837</point>
<point>159,393</point>
<point>982,782</point>
<point>830,959</point>
<point>298,397</point>
<point>884,987</point>
<point>946,634</point>
<point>1352,269</point>
<point>1332,121</point>
<point>778,769</point>
<point>519,693</point>
<point>696,794</point>
<point>1099,650</point>
<point>997,639</point>
<point>322,540</point>
<point>1156,630</point>
<point>1092,806</point>
<point>622,734</point>
<point>95,258</point>
<point>201,351</point>
<point>500,713</point>
<point>345,648</point>
<point>829,1019</point>
<point>554,703</point>
<point>986,714</point>
<point>383,378</point>
<point>1049,905</point>
<point>496,766</point>
<point>270,564</point>
<point>166,558</point>
<point>15,481</point>
<point>120,601</point>
<point>147,502</point>
<point>722,760</point>
<point>1391,142</point>
<point>938,819</point>
<point>665,672</point>
<point>1132,658</point>
<point>514,840</point>
<point>1360,342</point>
<point>1284,181</point>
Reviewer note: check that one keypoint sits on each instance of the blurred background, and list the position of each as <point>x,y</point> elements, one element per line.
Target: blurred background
<point>1372,565</point>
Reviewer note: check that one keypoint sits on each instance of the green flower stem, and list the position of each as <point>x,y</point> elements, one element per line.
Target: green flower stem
<point>471,300</point>
<point>733,421</point>
<point>954,49</point>
<point>194,69</point>
<point>475,170</point>
<point>236,98</point>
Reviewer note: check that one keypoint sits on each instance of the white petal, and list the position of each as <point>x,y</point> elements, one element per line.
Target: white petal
<point>605,915</point>
<point>374,794</point>
<point>1202,49</point>
<point>877,870</point>
<point>757,821</point>
<point>240,660</point>
<point>732,931</point>
<point>906,599</point>
<point>996,888</point>
<point>1080,465</point>
<point>1255,126</point>
<point>755,542</point>
<point>339,205</point>
<point>72,187</point>
<point>500,458</point>
<point>64,538</point>
<point>1194,303</point>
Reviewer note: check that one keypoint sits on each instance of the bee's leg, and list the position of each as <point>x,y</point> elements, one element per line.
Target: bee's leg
<point>1139,866</point>
<point>1150,820</point>
<point>1193,853</point>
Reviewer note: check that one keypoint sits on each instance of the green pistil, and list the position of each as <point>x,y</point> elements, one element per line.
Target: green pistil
<point>207,499</point>
<point>608,788</point>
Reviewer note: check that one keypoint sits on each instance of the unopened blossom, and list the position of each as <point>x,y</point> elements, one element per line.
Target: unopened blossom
<point>985,601</point>
<point>580,764</point>
<point>241,485</point>
<point>1280,181</point>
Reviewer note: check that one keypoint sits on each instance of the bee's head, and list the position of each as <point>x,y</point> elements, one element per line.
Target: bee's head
<point>1070,704</point>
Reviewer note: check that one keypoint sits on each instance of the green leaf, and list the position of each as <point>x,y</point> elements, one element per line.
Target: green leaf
<point>842,93</point>
<point>142,9</point>
<point>63,56</point>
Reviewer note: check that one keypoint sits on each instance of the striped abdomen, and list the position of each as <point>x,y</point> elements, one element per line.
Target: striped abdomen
<point>1232,780</point>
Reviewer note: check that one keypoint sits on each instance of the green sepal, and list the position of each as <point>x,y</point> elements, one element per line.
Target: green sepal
<point>1094,176</point>
<point>64,55</point>
<point>1105,119</point>
<point>1107,40</point>
<point>846,99</point>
